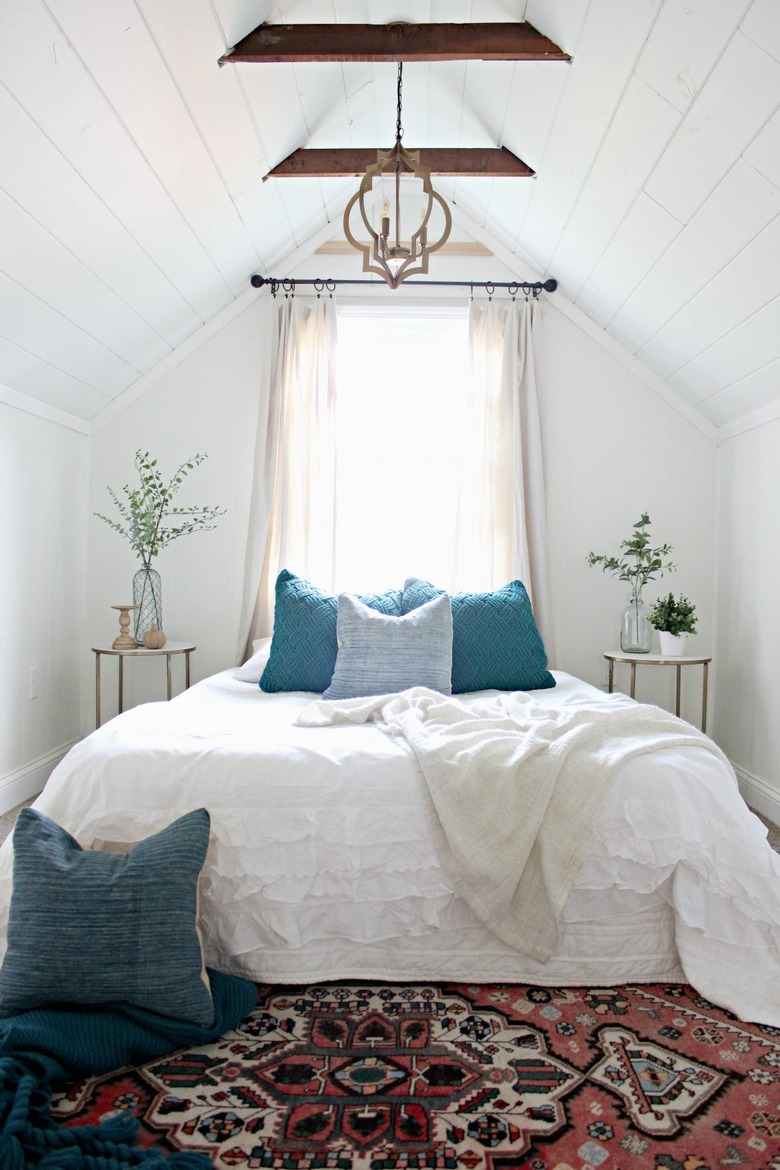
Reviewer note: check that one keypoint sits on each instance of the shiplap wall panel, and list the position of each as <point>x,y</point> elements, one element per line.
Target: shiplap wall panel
<point>753,393</point>
<point>33,325</point>
<point>740,95</point>
<point>117,42</point>
<point>211,94</point>
<point>762,24</point>
<point>738,291</point>
<point>737,210</point>
<point>40,179</point>
<point>606,53</point>
<point>746,349</point>
<point>41,265</point>
<point>763,153</point>
<point>561,22</point>
<point>643,125</point>
<point>236,18</point>
<point>646,232</point>
<point>36,378</point>
<point>322,96</point>
<point>57,91</point>
<point>684,45</point>
<point>272,95</point>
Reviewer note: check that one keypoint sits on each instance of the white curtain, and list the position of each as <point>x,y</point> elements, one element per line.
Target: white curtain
<point>501,508</point>
<point>501,505</point>
<point>292,517</point>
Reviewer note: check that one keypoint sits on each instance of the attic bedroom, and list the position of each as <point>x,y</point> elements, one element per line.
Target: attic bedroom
<point>609,170</point>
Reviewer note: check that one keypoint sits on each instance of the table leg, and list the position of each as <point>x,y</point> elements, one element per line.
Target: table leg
<point>187,669</point>
<point>632,688</point>
<point>678,669</point>
<point>168,672</point>
<point>97,688</point>
<point>704,697</point>
<point>121,695</point>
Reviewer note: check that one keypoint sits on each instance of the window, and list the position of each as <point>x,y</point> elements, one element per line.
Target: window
<point>402,381</point>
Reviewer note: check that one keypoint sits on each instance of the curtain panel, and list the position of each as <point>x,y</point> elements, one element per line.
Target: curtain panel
<point>501,520</point>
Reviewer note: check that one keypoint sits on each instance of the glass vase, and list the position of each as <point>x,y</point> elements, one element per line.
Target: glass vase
<point>147,595</point>
<point>636,633</point>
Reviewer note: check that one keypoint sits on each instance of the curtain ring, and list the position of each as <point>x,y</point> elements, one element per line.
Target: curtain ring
<point>289,287</point>
<point>330,285</point>
<point>490,289</point>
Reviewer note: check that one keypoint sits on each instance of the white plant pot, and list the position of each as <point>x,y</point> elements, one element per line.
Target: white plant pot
<point>672,645</point>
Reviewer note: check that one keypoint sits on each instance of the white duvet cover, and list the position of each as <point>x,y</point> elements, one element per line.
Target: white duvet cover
<point>322,865</point>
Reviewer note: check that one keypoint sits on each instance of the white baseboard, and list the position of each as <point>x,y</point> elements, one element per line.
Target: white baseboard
<point>28,781</point>
<point>759,795</point>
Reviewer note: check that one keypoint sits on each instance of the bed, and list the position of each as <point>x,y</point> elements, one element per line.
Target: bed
<point>323,862</point>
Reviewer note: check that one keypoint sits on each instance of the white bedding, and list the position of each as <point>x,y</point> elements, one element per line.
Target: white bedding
<point>322,865</point>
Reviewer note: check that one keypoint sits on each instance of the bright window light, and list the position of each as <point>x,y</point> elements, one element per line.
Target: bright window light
<point>401,382</point>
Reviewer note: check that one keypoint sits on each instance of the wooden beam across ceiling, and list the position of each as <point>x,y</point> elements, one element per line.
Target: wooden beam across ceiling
<point>333,163</point>
<point>501,41</point>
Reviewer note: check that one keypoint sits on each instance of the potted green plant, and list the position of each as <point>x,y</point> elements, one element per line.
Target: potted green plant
<point>146,515</point>
<point>637,563</point>
<point>674,618</point>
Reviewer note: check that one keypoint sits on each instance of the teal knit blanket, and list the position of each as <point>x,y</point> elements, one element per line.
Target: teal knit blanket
<point>40,1049</point>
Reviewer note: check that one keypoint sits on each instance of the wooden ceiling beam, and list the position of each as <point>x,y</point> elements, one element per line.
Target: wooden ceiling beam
<point>501,41</point>
<point>333,163</point>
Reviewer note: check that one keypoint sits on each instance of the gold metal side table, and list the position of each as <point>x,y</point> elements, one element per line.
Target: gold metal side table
<point>635,660</point>
<point>167,651</point>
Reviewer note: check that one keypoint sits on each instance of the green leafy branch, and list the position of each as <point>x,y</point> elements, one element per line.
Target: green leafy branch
<point>639,563</point>
<point>146,508</point>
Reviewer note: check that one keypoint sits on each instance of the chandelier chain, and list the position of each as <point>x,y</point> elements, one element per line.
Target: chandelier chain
<point>399,130</point>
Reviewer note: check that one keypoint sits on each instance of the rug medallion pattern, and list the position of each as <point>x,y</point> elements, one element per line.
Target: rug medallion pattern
<point>457,1077</point>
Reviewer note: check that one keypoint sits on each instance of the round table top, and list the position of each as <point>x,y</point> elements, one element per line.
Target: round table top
<point>681,660</point>
<point>169,648</point>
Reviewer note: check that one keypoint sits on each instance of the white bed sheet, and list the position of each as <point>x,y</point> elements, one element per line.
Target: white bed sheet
<point>321,865</point>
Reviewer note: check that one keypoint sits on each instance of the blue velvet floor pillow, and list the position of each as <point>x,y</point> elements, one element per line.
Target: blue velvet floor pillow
<point>304,645</point>
<point>96,927</point>
<point>380,654</point>
<point>495,641</point>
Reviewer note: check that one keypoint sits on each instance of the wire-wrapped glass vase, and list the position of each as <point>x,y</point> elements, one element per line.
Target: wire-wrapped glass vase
<point>636,633</point>
<point>147,596</point>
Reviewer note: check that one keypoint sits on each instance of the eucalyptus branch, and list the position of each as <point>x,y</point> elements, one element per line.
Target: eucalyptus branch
<point>146,508</point>
<point>639,562</point>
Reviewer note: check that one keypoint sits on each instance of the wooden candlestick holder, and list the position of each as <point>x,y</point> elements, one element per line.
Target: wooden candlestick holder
<point>125,640</point>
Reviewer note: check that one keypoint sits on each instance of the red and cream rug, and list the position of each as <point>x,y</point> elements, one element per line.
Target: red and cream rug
<point>359,1076</point>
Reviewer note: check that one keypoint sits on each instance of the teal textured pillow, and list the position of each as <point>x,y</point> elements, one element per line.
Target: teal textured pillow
<point>495,642</point>
<point>379,655</point>
<point>304,646</point>
<point>93,927</point>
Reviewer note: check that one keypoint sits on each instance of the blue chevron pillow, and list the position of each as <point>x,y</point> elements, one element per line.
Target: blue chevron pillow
<point>495,642</point>
<point>304,646</point>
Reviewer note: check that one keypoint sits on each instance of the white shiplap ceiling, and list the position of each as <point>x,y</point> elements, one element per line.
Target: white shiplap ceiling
<point>132,206</point>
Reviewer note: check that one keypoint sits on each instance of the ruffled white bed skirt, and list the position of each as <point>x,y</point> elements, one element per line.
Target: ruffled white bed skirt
<point>321,865</point>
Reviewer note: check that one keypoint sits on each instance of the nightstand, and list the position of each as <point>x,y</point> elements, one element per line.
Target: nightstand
<point>635,660</point>
<point>167,651</point>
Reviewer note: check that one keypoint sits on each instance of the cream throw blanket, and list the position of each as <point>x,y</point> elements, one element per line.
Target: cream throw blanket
<point>514,787</point>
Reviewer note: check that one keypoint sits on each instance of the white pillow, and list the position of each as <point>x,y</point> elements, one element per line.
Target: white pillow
<point>252,669</point>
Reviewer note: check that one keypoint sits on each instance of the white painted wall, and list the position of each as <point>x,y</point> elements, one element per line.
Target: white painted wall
<point>208,402</point>
<point>749,625</point>
<point>614,448</point>
<point>44,471</point>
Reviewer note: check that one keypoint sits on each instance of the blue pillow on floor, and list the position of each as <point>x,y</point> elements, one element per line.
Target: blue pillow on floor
<point>304,646</point>
<point>95,927</point>
<point>495,642</point>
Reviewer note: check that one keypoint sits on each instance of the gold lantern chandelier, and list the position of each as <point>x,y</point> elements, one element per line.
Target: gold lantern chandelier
<point>387,252</point>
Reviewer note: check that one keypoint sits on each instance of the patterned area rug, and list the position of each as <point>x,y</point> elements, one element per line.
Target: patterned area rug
<point>455,1077</point>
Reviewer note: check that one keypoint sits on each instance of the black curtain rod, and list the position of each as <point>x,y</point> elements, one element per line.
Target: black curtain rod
<point>528,287</point>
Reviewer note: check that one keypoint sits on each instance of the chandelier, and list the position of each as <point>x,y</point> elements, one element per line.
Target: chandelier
<point>388,252</point>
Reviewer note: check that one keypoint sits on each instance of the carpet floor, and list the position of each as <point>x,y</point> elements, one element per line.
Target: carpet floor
<point>359,1076</point>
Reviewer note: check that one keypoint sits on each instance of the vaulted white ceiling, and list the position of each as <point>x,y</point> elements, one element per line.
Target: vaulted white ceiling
<point>133,208</point>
